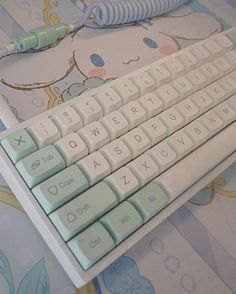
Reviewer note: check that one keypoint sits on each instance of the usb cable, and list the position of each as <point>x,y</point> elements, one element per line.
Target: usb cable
<point>107,14</point>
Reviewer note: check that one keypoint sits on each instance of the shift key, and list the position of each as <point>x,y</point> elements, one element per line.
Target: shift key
<point>80,212</point>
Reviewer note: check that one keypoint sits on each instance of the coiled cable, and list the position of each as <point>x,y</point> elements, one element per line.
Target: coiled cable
<point>109,13</point>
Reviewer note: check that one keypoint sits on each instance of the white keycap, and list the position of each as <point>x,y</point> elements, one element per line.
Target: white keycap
<point>201,53</point>
<point>210,71</point>
<point>137,141</point>
<point>144,168</point>
<point>216,92</point>
<point>188,110</point>
<point>44,132</point>
<point>172,119</point>
<point>123,182</point>
<point>72,148</point>
<point>202,100</point>
<point>127,90</point>
<point>228,84</point>
<point>233,75</point>
<point>183,86</point>
<point>168,95</point>
<point>188,59</point>
<point>116,153</point>
<point>212,121</point>
<point>231,57</point>
<point>174,66</point>
<point>116,124</point>
<point>134,113</point>
<point>163,154</point>
<point>144,82</point>
<point>89,109</point>
<point>213,47</point>
<point>197,78</point>
<point>155,129</point>
<point>108,99</point>
<point>160,74</point>
<point>198,164</point>
<point>232,101</point>
<point>226,112</point>
<point>197,132</point>
<point>67,120</point>
<point>224,42</point>
<point>151,103</point>
<point>95,167</point>
<point>222,65</point>
<point>181,143</point>
<point>94,135</point>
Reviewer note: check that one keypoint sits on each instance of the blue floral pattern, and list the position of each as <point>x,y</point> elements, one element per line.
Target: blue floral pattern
<point>123,277</point>
<point>36,281</point>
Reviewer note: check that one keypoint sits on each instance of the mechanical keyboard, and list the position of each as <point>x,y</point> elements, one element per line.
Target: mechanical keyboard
<point>99,172</point>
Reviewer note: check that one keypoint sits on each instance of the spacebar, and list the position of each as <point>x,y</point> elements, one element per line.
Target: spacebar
<point>197,164</point>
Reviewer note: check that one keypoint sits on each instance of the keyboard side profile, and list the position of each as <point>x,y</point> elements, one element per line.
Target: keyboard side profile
<point>99,172</point>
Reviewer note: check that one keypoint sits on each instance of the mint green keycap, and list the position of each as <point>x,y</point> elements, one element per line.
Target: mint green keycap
<point>90,245</point>
<point>18,145</point>
<point>60,188</point>
<point>149,200</point>
<point>122,221</point>
<point>80,212</point>
<point>40,165</point>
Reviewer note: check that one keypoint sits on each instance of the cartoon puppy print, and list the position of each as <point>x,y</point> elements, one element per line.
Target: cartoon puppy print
<point>189,26</point>
<point>105,54</point>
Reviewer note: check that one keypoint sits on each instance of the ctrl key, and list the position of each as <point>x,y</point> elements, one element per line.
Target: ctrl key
<point>90,245</point>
